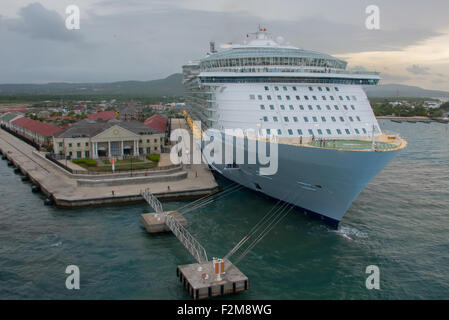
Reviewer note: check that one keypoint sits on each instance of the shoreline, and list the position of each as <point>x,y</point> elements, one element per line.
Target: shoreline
<point>413,118</point>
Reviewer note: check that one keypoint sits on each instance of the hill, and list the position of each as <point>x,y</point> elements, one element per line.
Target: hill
<point>399,90</point>
<point>172,86</point>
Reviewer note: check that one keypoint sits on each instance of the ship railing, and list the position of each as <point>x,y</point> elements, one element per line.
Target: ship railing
<point>384,142</point>
<point>259,69</point>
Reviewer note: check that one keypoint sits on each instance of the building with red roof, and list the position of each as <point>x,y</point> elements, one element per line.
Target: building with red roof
<point>39,132</point>
<point>14,110</point>
<point>79,108</point>
<point>157,122</point>
<point>101,107</point>
<point>103,115</point>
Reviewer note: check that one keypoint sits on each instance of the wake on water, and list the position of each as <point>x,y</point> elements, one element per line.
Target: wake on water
<point>350,233</point>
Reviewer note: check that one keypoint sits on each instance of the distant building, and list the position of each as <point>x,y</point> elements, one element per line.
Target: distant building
<point>130,112</point>
<point>157,122</point>
<point>43,114</point>
<point>179,106</point>
<point>431,104</point>
<point>14,110</point>
<point>79,109</point>
<point>37,131</point>
<point>160,107</point>
<point>101,107</point>
<point>103,115</point>
<point>114,138</point>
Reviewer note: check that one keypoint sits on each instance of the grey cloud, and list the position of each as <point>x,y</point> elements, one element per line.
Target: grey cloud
<point>35,21</point>
<point>155,40</point>
<point>418,70</point>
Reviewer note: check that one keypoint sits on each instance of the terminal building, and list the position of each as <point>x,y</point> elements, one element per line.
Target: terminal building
<point>7,118</point>
<point>113,138</point>
<point>39,132</point>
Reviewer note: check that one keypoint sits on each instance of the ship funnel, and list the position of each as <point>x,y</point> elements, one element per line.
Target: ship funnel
<point>212,47</point>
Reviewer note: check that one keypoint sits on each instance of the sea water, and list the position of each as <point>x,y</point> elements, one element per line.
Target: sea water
<point>399,223</point>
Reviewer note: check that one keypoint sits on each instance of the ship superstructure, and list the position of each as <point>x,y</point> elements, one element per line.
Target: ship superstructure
<point>329,142</point>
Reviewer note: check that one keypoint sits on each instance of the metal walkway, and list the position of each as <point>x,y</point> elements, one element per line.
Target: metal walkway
<point>187,240</point>
<point>152,200</point>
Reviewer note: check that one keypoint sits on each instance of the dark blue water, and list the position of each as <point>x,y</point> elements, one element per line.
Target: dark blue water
<point>400,223</point>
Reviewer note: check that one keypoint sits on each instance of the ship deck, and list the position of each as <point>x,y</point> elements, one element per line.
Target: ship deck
<point>352,145</point>
<point>384,142</point>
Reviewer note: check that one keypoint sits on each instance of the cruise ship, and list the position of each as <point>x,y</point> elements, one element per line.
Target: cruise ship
<point>330,145</point>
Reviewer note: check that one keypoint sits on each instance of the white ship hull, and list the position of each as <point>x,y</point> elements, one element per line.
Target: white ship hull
<point>321,182</point>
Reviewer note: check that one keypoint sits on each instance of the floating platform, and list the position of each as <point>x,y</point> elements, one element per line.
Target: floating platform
<point>201,283</point>
<point>155,222</point>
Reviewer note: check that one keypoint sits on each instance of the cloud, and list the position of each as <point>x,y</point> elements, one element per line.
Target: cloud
<point>357,68</point>
<point>148,39</point>
<point>418,70</point>
<point>37,22</point>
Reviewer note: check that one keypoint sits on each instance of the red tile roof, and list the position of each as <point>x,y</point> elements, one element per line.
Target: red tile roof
<point>59,118</point>
<point>157,122</point>
<point>41,128</point>
<point>104,115</point>
<point>14,110</point>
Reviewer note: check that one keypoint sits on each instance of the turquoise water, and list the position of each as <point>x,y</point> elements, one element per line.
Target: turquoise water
<point>400,223</point>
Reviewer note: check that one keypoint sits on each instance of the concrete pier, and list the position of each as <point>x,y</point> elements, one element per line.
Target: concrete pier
<point>155,222</point>
<point>70,190</point>
<point>199,280</point>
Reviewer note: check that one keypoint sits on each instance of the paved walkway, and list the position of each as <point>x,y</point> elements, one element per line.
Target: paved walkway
<point>72,165</point>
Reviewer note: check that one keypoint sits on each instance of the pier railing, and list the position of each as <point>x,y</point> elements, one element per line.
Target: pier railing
<point>189,242</point>
<point>59,160</point>
<point>152,200</point>
<point>19,136</point>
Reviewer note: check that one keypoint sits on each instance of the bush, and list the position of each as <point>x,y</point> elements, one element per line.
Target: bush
<point>154,157</point>
<point>86,161</point>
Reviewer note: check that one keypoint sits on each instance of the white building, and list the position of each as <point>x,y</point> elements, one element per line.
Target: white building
<point>97,139</point>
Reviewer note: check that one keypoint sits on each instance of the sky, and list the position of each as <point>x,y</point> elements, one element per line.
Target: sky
<point>145,39</point>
